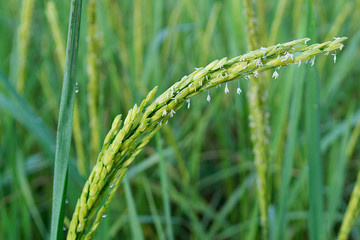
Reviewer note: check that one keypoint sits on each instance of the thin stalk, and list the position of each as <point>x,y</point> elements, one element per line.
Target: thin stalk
<point>258,123</point>
<point>23,38</point>
<point>353,209</point>
<point>93,75</point>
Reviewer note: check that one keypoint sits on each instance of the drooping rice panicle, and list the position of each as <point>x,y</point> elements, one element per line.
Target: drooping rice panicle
<point>121,146</point>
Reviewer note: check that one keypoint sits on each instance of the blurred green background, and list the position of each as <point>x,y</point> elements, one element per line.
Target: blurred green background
<point>204,154</point>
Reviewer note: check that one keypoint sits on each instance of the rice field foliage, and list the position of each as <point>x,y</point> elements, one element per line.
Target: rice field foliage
<point>199,176</point>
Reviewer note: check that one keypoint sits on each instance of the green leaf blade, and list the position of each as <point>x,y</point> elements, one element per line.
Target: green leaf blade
<point>63,138</point>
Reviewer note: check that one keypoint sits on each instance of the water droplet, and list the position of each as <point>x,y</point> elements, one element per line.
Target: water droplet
<point>66,201</point>
<point>64,228</point>
<point>112,186</point>
<point>104,216</point>
<point>76,87</point>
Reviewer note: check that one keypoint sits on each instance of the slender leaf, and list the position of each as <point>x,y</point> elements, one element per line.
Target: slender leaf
<point>157,221</point>
<point>63,138</point>
<point>165,189</point>
<point>135,225</point>
<point>289,156</point>
<point>19,109</point>
<point>312,124</point>
<point>29,197</point>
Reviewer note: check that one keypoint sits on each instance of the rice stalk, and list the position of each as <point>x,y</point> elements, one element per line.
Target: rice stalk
<point>296,15</point>
<point>53,19</point>
<point>259,123</point>
<point>125,140</point>
<point>93,76</point>
<point>353,139</point>
<point>275,26</point>
<point>338,25</point>
<point>208,33</point>
<point>253,41</point>
<point>353,209</point>
<point>23,38</point>
<point>355,17</point>
<point>261,16</point>
<point>339,22</point>
<point>118,27</point>
<point>138,40</point>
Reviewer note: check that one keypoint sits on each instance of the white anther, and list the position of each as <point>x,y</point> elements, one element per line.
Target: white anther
<point>275,74</point>
<point>312,61</point>
<point>188,102</point>
<point>238,91</point>
<point>226,88</point>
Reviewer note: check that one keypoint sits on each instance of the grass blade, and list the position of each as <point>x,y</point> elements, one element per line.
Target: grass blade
<point>312,125</point>
<point>289,156</point>
<point>157,221</point>
<point>136,230</point>
<point>20,110</point>
<point>316,214</point>
<point>28,196</point>
<point>63,138</point>
<point>164,188</point>
<point>352,211</point>
<point>229,205</point>
<point>337,173</point>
